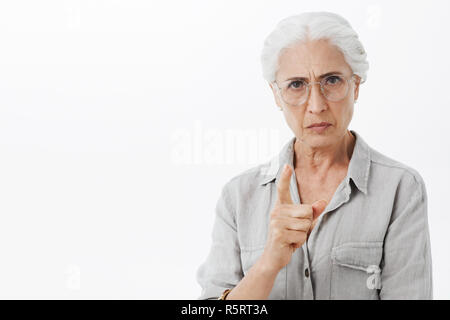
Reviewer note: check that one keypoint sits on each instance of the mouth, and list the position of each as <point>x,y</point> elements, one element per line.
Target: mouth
<point>319,125</point>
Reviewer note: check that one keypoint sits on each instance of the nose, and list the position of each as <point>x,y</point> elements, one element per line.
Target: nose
<point>316,100</point>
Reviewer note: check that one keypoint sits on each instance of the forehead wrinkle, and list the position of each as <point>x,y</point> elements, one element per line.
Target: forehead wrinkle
<point>312,75</point>
<point>309,63</point>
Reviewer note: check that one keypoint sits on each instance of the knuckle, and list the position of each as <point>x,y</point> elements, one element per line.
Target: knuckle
<point>303,225</point>
<point>300,212</point>
<point>302,237</point>
<point>273,224</point>
<point>307,211</point>
<point>279,210</point>
<point>277,235</point>
<point>274,212</point>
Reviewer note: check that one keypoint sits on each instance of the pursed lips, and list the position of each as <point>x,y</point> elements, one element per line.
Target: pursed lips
<point>319,124</point>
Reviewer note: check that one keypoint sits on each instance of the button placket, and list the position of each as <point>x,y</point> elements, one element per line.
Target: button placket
<point>308,289</point>
<point>307,284</point>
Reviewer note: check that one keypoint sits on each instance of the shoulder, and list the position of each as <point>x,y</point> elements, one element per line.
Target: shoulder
<point>247,183</point>
<point>390,169</point>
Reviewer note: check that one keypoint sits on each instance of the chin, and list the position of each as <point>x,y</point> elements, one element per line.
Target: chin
<point>319,140</point>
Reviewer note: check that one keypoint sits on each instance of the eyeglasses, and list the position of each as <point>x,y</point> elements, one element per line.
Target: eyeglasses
<point>334,88</point>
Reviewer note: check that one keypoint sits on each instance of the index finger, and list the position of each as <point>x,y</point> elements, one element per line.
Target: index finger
<point>283,190</point>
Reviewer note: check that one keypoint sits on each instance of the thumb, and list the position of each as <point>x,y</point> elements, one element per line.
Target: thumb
<point>318,207</point>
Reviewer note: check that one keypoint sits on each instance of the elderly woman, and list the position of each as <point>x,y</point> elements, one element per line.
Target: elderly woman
<point>329,217</point>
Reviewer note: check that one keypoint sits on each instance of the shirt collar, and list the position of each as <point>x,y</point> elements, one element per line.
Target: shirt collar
<point>358,169</point>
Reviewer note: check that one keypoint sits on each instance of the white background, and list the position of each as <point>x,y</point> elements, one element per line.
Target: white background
<point>113,117</point>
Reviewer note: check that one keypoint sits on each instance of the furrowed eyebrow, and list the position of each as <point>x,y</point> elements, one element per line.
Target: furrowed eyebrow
<point>320,77</point>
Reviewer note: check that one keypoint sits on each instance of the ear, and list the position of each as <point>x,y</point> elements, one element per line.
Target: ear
<point>356,92</point>
<point>275,95</point>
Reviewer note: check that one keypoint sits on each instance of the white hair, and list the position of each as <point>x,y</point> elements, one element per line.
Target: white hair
<point>314,26</point>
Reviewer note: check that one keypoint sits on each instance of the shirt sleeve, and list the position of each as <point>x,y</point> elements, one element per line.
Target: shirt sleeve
<point>222,269</point>
<point>406,266</point>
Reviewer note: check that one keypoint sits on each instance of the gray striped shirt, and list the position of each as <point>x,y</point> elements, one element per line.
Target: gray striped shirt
<point>371,241</point>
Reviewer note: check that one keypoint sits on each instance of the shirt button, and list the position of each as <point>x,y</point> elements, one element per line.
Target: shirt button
<point>306,272</point>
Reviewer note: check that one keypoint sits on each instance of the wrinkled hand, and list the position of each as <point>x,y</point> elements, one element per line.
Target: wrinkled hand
<point>290,225</point>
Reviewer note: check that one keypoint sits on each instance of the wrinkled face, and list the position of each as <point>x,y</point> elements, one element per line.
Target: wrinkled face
<point>310,60</point>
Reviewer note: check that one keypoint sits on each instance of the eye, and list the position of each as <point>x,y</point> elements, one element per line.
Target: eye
<point>333,80</point>
<point>297,84</point>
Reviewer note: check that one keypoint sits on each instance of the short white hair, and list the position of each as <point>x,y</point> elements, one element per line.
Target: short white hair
<point>314,26</point>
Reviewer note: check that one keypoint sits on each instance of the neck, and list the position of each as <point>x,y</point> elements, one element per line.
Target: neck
<point>316,160</point>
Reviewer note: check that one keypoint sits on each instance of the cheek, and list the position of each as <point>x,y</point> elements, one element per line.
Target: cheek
<point>347,114</point>
<point>350,112</point>
<point>343,113</point>
<point>294,118</point>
